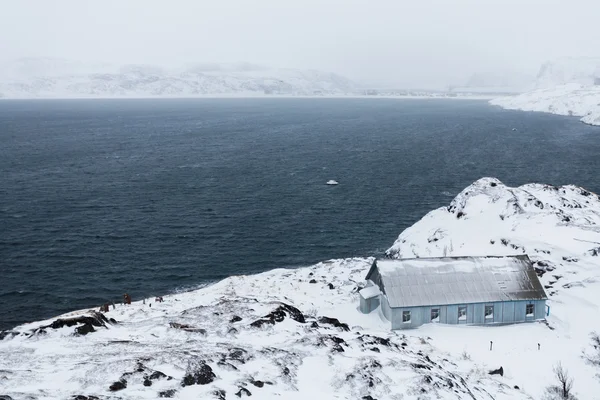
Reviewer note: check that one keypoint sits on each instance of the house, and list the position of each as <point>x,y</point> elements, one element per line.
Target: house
<point>454,290</point>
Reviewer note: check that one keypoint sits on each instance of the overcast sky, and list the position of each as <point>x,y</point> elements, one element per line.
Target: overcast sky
<point>412,43</point>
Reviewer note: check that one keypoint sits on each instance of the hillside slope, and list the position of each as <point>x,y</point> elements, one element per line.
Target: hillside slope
<point>297,333</point>
<point>48,78</point>
<point>571,99</point>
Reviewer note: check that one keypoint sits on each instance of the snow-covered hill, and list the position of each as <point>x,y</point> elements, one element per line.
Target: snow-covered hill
<point>297,334</point>
<point>571,99</point>
<point>581,70</point>
<point>50,78</point>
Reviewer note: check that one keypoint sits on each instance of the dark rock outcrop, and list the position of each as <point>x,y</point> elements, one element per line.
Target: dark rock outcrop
<point>499,371</point>
<point>85,329</point>
<point>87,322</point>
<point>279,315</point>
<point>200,374</point>
<point>167,393</point>
<point>77,397</point>
<point>242,392</point>
<point>118,385</point>
<point>235,319</point>
<point>335,322</point>
<point>220,394</point>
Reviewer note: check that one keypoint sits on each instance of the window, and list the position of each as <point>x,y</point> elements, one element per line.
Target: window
<point>489,313</point>
<point>406,317</point>
<point>529,310</point>
<point>462,313</point>
<point>435,315</point>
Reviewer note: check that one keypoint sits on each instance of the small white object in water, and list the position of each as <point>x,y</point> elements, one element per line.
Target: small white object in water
<point>514,129</point>
<point>332,182</point>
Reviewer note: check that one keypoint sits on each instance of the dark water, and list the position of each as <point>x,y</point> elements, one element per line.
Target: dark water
<point>98,198</point>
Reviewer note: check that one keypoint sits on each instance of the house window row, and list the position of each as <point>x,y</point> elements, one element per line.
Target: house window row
<point>462,314</point>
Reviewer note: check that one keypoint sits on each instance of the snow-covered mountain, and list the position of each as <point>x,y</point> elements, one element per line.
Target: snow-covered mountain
<point>566,86</point>
<point>297,334</point>
<point>507,82</point>
<point>571,99</point>
<point>50,78</point>
<point>581,70</point>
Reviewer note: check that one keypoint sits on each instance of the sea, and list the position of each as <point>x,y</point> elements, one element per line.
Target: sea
<point>148,197</point>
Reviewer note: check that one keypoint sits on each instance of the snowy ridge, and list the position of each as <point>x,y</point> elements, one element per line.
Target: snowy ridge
<point>50,78</point>
<point>297,334</point>
<point>571,99</point>
<point>580,70</point>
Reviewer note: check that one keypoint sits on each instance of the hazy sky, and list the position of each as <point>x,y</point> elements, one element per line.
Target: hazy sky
<point>412,43</point>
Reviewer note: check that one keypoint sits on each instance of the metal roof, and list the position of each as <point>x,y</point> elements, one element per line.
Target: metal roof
<point>457,280</point>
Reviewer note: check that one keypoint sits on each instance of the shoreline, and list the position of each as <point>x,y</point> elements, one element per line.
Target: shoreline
<point>251,96</point>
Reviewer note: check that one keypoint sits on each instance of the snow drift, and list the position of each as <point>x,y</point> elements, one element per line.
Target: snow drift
<point>297,334</point>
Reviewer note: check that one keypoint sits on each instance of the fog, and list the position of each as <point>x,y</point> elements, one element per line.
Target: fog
<point>403,43</point>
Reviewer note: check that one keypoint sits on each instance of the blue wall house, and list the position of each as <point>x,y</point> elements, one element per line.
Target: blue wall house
<point>454,290</point>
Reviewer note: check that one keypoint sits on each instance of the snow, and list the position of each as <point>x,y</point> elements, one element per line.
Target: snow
<point>571,99</point>
<point>566,86</point>
<point>580,70</point>
<point>369,292</point>
<point>55,78</point>
<point>559,227</point>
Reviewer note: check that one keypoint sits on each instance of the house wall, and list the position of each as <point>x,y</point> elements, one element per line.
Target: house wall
<point>385,307</point>
<point>368,305</point>
<point>504,313</point>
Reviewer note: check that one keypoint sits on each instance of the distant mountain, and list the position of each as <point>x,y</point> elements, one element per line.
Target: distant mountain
<point>509,81</point>
<point>581,70</point>
<point>55,78</point>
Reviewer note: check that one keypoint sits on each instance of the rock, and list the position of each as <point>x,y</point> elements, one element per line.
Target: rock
<point>312,281</point>
<point>201,374</point>
<point>237,354</point>
<point>243,391</point>
<point>257,383</point>
<point>335,322</point>
<point>88,321</point>
<point>279,315</point>
<point>5,397</point>
<point>167,393</point>
<point>499,371</point>
<point>157,375</point>
<point>118,385</point>
<point>336,342</point>
<point>79,397</point>
<point>330,285</point>
<point>147,382</point>
<point>219,394</point>
<point>368,397</point>
<point>85,329</point>
<point>375,349</point>
<point>516,387</point>
<point>235,319</point>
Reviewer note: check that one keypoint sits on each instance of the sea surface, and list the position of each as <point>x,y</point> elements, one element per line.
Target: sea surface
<point>103,197</point>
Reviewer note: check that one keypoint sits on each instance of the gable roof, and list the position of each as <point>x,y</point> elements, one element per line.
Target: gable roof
<point>456,280</point>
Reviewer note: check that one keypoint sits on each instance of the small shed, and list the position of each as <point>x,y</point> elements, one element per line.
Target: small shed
<point>455,290</point>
